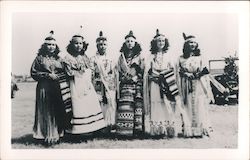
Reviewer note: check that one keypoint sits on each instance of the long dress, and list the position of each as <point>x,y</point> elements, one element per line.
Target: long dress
<point>129,118</point>
<point>103,80</point>
<point>196,95</point>
<point>87,114</point>
<point>49,112</point>
<point>159,104</point>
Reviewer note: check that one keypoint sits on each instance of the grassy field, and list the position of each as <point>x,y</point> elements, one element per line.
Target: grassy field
<point>224,120</point>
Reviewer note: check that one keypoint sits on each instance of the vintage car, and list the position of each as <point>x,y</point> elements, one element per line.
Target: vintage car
<point>227,75</point>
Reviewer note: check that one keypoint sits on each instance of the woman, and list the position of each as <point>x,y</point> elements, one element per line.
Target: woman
<point>49,113</point>
<point>160,89</point>
<point>195,90</point>
<point>87,114</point>
<point>129,89</point>
<point>14,87</point>
<point>104,80</point>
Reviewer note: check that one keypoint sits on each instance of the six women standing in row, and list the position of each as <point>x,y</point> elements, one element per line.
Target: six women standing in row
<point>137,96</point>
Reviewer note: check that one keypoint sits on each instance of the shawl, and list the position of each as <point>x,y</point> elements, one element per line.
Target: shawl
<point>123,68</point>
<point>66,96</point>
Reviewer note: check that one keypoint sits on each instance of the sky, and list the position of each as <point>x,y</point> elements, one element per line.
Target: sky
<point>216,33</point>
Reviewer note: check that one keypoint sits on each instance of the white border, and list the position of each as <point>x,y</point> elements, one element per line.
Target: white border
<point>240,8</point>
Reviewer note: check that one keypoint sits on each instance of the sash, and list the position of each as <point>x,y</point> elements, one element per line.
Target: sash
<point>125,64</point>
<point>125,67</point>
<point>170,81</point>
<point>167,82</point>
<point>105,83</point>
<point>66,96</point>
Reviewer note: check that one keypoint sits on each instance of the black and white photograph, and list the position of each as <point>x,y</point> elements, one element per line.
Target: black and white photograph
<point>128,75</point>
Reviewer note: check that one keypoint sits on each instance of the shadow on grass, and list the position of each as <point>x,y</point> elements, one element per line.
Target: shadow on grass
<point>81,138</point>
<point>26,140</point>
<point>112,136</point>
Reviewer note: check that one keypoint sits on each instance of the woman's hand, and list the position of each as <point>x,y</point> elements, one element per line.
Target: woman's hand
<point>189,75</point>
<point>53,76</point>
<point>153,77</point>
<point>135,78</point>
<point>132,72</point>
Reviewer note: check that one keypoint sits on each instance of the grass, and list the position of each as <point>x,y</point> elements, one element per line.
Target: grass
<point>224,120</point>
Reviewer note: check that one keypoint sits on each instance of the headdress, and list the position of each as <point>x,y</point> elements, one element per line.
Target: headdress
<point>130,34</point>
<point>100,38</point>
<point>187,38</point>
<point>50,38</point>
<point>158,34</point>
<point>79,33</point>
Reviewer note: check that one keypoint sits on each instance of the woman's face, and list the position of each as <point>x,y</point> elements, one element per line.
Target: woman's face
<point>78,43</point>
<point>102,46</point>
<point>192,45</point>
<point>160,42</point>
<point>130,42</point>
<point>51,46</point>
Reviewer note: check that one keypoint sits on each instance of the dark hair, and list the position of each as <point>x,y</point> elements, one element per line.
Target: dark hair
<point>136,50</point>
<point>71,49</point>
<point>154,48</point>
<point>44,51</point>
<point>187,50</point>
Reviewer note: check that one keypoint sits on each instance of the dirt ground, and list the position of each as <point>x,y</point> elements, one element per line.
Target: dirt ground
<point>224,121</point>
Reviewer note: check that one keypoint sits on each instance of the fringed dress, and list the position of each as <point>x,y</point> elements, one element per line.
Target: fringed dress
<point>49,112</point>
<point>87,114</point>
<point>196,95</point>
<point>103,80</point>
<point>130,108</point>
<point>159,102</point>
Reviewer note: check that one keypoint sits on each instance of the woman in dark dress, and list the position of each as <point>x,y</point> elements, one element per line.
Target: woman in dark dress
<point>49,112</point>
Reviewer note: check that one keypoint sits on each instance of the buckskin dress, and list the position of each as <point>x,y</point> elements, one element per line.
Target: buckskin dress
<point>159,109</point>
<point>196,95</point>
<point>87,114</point>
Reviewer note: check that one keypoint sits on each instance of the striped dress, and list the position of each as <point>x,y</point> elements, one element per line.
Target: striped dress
<point>129,120</point>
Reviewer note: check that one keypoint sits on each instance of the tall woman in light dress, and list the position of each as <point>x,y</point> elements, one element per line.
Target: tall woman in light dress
<point>87,114</point>
<point>49,112</point>
<point>160,89</point>
<point>195,90</point>
<point>129,120</point>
